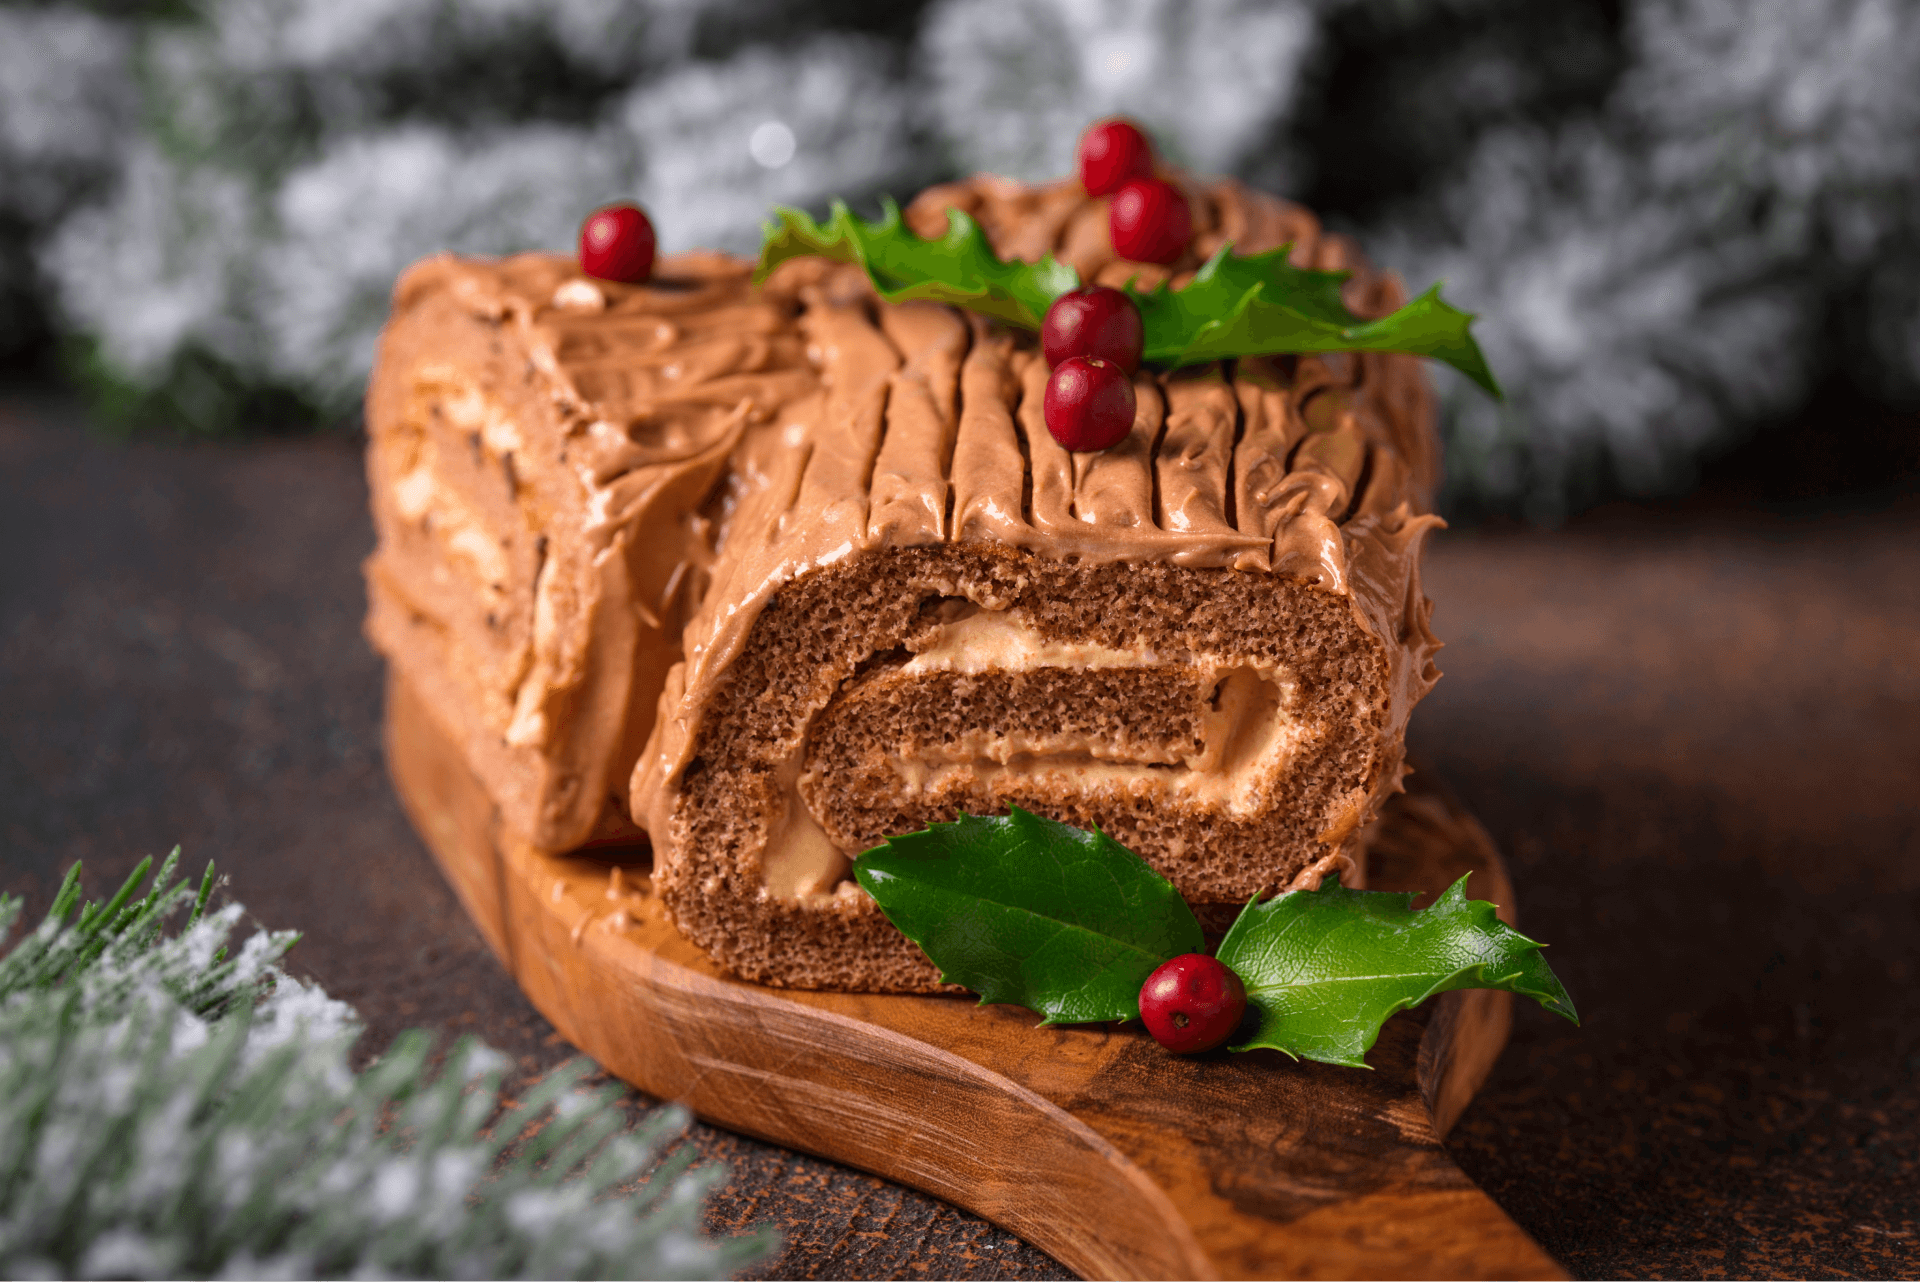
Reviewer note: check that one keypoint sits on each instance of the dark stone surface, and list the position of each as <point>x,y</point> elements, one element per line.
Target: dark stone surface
<point>1696,732</point>
<point>1698,740</point>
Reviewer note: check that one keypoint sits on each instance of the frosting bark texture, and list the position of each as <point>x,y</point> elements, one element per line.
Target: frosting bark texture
<point>820,556</point>
<point>540,445</point>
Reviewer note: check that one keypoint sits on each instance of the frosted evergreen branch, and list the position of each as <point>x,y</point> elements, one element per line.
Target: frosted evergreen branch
<point>172,1105</point>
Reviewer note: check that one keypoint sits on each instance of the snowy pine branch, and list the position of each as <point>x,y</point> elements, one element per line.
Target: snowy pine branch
<point>171,1106</point>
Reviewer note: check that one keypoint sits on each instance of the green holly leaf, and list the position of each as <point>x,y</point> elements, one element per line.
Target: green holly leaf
<point>1032,912</point>
<point>1260,303</point>
<point>960,268</point>
<point>1234,306</point>
<point>1324,969</point>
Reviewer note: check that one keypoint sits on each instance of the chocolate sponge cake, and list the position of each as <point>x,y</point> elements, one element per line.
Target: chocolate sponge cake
<point>822,557</point>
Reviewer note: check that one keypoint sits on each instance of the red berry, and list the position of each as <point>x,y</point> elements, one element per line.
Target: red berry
<point>616,243</point>
<point>1149,221</point>
<point>1089,404</point>
<point>1192,1003</point>
<point>1095,321</point>
<point>1111,152</point>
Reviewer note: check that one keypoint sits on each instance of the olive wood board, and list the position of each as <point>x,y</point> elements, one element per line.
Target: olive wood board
<point>1091,1142</point>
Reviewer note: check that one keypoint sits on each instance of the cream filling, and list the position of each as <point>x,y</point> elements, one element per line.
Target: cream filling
<point>1247,736</point>
<point>1246,739</point>
<point>800,861</point>
<point>989,641</point>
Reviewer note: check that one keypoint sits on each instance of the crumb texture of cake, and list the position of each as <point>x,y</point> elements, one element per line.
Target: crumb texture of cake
<point>1206,640</point>
<point>541,446</point>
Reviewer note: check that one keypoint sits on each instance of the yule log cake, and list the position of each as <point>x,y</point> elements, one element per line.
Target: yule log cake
<point>775,572</point>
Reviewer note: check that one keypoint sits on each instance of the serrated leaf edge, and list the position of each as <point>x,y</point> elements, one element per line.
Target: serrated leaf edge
<point>1454,898</point>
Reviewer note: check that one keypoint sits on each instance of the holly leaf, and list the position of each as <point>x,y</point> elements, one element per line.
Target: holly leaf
<point>1250,305</point>
<point>1324,969</point>
<point>1261,303</point>
<point>1032,912</point>
<point>960,268</point>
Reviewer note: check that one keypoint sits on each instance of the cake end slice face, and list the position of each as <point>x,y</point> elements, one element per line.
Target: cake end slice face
<point>1223,722</point>
<point>1234,729</point>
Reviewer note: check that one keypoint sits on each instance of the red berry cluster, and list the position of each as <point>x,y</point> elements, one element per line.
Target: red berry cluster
<point>1092,337</point>
<point>1148,221</point>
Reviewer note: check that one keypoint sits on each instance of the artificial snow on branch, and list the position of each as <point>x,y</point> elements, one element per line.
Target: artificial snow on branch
<point>173,1106</point>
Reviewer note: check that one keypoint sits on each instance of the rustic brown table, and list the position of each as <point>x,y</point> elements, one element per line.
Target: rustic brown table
<point>1695,730</point>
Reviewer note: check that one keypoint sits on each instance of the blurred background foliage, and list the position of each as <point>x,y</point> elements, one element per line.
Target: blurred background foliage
<point>1684,222</point>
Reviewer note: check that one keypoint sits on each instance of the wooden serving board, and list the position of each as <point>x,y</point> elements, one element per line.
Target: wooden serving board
<point>1092,1143</point>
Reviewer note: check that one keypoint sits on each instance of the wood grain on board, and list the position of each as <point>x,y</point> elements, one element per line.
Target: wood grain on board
<point>1092,1143</point>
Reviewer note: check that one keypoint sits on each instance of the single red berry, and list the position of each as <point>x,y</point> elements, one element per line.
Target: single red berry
<point>1149,221</point>
<point>1089,404</point>
<point>1192,1003</point>
<point>1095,321</point>
<point>616,243</point>
<point>1111,152</point>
